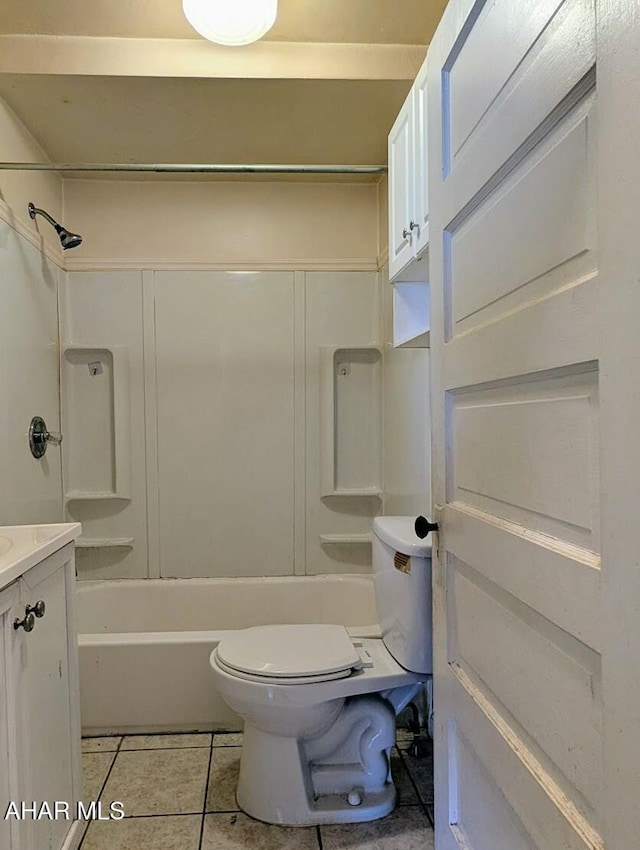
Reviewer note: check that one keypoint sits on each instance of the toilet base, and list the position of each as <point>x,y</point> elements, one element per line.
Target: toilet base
<point>342,776</point>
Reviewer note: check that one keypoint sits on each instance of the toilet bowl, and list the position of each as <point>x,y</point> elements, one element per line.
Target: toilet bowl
<point>319,704</point>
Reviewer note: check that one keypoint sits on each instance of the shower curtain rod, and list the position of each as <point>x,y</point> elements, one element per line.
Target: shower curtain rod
<point>183,168</point>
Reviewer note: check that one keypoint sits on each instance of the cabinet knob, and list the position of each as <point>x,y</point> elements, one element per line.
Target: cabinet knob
<point>38,609</point>
<point>28,624</point>
<point>406,234</point>
<point>413,226</point>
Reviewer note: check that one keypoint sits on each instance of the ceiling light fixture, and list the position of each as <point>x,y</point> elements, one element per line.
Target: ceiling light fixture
<point>231,22</point>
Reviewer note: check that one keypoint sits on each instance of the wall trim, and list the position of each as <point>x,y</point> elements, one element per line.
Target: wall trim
<point>76,264</point>
<point>8,216</point>
<point>383,259</point>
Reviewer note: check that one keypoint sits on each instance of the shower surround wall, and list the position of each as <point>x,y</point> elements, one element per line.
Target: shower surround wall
<point>223,378</point>
<point>30,490</point>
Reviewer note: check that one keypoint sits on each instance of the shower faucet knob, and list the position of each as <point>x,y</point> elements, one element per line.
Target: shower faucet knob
<point>40,437</point>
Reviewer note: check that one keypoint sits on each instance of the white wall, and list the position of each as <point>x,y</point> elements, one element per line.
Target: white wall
<point>222,225</point>
<point>406,421</point>
<point>17,188</point>
<point>30,489</point>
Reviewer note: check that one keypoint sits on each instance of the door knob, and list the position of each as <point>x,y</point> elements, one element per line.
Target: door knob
<point>423,527</point>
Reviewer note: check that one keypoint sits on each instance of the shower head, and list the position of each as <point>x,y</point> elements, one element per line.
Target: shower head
<point>67,239</point>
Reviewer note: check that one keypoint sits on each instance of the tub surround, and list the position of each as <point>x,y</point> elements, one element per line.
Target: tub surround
<point>221,345</point>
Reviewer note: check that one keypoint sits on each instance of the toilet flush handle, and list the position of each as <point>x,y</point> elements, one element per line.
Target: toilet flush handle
<point>423,527</point>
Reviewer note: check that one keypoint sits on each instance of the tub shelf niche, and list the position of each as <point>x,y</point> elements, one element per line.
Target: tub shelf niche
<point>104,543</point>
<point>96,422</point>
<point>350,418</point>
<point>346,539</point>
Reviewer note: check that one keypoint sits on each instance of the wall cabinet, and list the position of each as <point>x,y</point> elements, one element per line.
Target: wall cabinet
<point>39,714</point>
<point>408,182</point>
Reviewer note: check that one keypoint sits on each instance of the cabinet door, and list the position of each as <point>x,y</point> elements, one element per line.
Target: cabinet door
<point>47,683</point>
<point>11,831</point>
<point>421,159</point>
<point>401,189</point>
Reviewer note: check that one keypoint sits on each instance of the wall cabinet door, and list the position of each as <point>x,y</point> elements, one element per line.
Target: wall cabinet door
<point>420,162</point>
<point>48,685</point>
<point>401,189</point>
<point>408,181</point>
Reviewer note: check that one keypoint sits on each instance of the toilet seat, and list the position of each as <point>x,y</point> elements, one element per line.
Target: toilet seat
<point>301,654</point>
<point>273,680</point>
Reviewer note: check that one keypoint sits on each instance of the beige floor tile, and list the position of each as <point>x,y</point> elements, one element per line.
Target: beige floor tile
<point>95,767</point>
<point>159,782</point>
<point>162,833</point>
<point>406,792</point>
<point>101,745</point>
<point>227,739</point>
<point>239,832</point>
<point>223,779</point>
<point>165,742</point>
<point>405,829</point>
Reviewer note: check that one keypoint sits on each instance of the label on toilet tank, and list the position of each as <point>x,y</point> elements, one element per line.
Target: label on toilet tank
<point>402,562</point>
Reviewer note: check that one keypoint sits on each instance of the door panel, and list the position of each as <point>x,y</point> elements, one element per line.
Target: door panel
<point>519,695</point>
<point>12,831</point>
<point>45,678</point>
<point>481,804</point>
<point>492,632</point>
<point>527,452</point>
<point>533,798</point>
<point>544,215</point>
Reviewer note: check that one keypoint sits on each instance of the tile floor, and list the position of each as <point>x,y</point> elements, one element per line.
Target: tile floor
<point>178,793</point>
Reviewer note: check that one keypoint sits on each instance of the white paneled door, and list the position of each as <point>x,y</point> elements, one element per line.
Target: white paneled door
<point>535,273</point>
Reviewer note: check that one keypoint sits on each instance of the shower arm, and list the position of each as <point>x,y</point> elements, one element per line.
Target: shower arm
<point>67,239</point>
<point>34,211</point>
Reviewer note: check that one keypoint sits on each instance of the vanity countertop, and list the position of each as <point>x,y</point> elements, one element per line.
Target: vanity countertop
<point>24,546</point>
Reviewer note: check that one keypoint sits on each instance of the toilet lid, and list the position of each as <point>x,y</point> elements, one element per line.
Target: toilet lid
<point>290,652</point>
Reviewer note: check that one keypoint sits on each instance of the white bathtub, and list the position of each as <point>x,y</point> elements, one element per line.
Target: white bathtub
<point>145,645</point>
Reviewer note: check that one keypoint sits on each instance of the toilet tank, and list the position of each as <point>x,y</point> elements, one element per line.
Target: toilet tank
<point>402,580</point>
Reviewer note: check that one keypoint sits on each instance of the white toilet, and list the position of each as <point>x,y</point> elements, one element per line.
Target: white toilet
<point>319,705</point>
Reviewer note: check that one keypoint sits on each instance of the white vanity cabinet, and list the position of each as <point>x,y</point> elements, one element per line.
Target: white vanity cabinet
<point>408,180</point>
<point>11,833</point>
<point>39,705</point>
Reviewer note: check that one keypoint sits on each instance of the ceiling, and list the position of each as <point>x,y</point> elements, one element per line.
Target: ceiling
<point>344,21</point>
<point>125,81</point>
